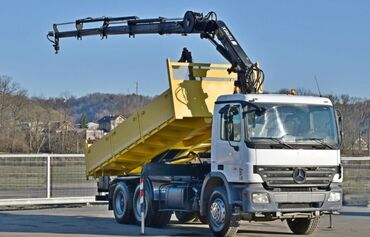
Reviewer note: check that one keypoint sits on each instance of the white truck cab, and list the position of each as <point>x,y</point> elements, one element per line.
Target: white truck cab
<point>279,155</point>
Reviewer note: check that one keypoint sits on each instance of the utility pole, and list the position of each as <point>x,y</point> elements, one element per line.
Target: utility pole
<point>137,94</point>
<point>359,141</point>
<point>368,140</point>
<point>77,143</point>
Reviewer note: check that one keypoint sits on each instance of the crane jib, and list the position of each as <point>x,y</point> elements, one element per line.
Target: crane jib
<point>250,77</point>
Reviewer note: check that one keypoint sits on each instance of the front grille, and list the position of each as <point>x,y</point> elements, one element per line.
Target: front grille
<point>283,176</point>
<point>294,189</point>
<point>299,205</point>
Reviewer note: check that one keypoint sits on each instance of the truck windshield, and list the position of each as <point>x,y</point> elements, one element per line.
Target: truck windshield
<point>290,125</point>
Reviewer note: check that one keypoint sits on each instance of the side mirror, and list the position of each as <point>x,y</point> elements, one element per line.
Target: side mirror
<point>228,113</point>
<point>253,114</point>
<point>252,120</point>
<point>340,125</point>
<point>230,133</point>
<point>224,110</point>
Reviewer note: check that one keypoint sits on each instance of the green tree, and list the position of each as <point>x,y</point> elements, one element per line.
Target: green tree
<point>83,121</point>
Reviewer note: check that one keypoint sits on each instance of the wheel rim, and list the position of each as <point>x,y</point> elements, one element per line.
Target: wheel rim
<point>120,206</point>
<point>217,213</point>
<point>137,208</point>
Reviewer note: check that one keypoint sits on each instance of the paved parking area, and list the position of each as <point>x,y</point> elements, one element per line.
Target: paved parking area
<point>96,220</point>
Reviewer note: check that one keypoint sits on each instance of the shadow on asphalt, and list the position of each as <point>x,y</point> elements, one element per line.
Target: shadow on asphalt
<point>349,213</point>
<point>263,232</point>
<point>84,225</point>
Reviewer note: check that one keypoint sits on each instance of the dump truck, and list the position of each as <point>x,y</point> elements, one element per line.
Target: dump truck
<point>213,146</point>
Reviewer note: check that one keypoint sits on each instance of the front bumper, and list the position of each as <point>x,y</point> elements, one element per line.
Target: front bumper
<point>289,202</point>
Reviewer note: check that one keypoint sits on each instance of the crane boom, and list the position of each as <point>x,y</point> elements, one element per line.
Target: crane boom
<point>250,77</point>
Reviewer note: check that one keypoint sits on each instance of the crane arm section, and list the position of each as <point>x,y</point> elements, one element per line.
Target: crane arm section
<point>250,77</point>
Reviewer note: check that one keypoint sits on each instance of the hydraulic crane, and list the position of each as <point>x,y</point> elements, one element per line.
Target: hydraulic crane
<point>202,153</point>
<point>249,76</point>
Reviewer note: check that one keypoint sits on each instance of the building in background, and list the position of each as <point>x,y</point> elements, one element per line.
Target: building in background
<point>107,123</point>
<point>95,131</point>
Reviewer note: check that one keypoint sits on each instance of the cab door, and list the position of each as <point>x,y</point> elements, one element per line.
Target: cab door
<point>227,142</point>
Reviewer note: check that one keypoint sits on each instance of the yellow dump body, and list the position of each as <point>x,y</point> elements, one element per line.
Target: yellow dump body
<point>179,118</point>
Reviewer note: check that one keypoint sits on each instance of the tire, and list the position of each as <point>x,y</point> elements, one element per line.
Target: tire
<point>303,226</point>
<point>161,219</point>
<point>137,207</point>
<point>122,203</point>
<point>153,217</point>
<point>186,217</point>
<point>203,219</point>
<point>221,220</point>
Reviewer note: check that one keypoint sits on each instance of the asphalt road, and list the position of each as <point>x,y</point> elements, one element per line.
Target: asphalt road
<point>96,221</point>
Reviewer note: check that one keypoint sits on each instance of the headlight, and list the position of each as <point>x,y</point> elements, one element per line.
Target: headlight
<point>334,196</point>
<point>260,198</point>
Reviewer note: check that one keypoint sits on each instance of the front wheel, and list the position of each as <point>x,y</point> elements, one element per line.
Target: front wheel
<point>221,221</point>
<point>303,226</point>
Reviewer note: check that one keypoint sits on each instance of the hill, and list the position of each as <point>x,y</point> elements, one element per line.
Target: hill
<point>97,105</point>
<point>50,125</point>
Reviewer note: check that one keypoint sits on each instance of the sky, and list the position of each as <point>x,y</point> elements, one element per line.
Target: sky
<point>293,41</point>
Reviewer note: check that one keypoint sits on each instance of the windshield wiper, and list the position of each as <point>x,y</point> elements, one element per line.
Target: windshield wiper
<point>318,140</point>
<point>276,140</point>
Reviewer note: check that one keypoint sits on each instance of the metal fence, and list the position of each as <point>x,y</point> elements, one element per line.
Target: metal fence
<point>44,178</point>
<point>60,178</point>
<point>356,180</point>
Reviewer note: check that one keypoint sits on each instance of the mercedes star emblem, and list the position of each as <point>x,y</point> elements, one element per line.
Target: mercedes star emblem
<point>299,175</point>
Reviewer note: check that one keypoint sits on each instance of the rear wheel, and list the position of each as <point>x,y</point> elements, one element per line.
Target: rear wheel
<point>153,217</point>
<point>303,226</point>
<point>122,203</point>
<point>137,207</point>
<point>161,219</point>
<point>203,219</point>
<point>186,217</point>
<point>221,221</point>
